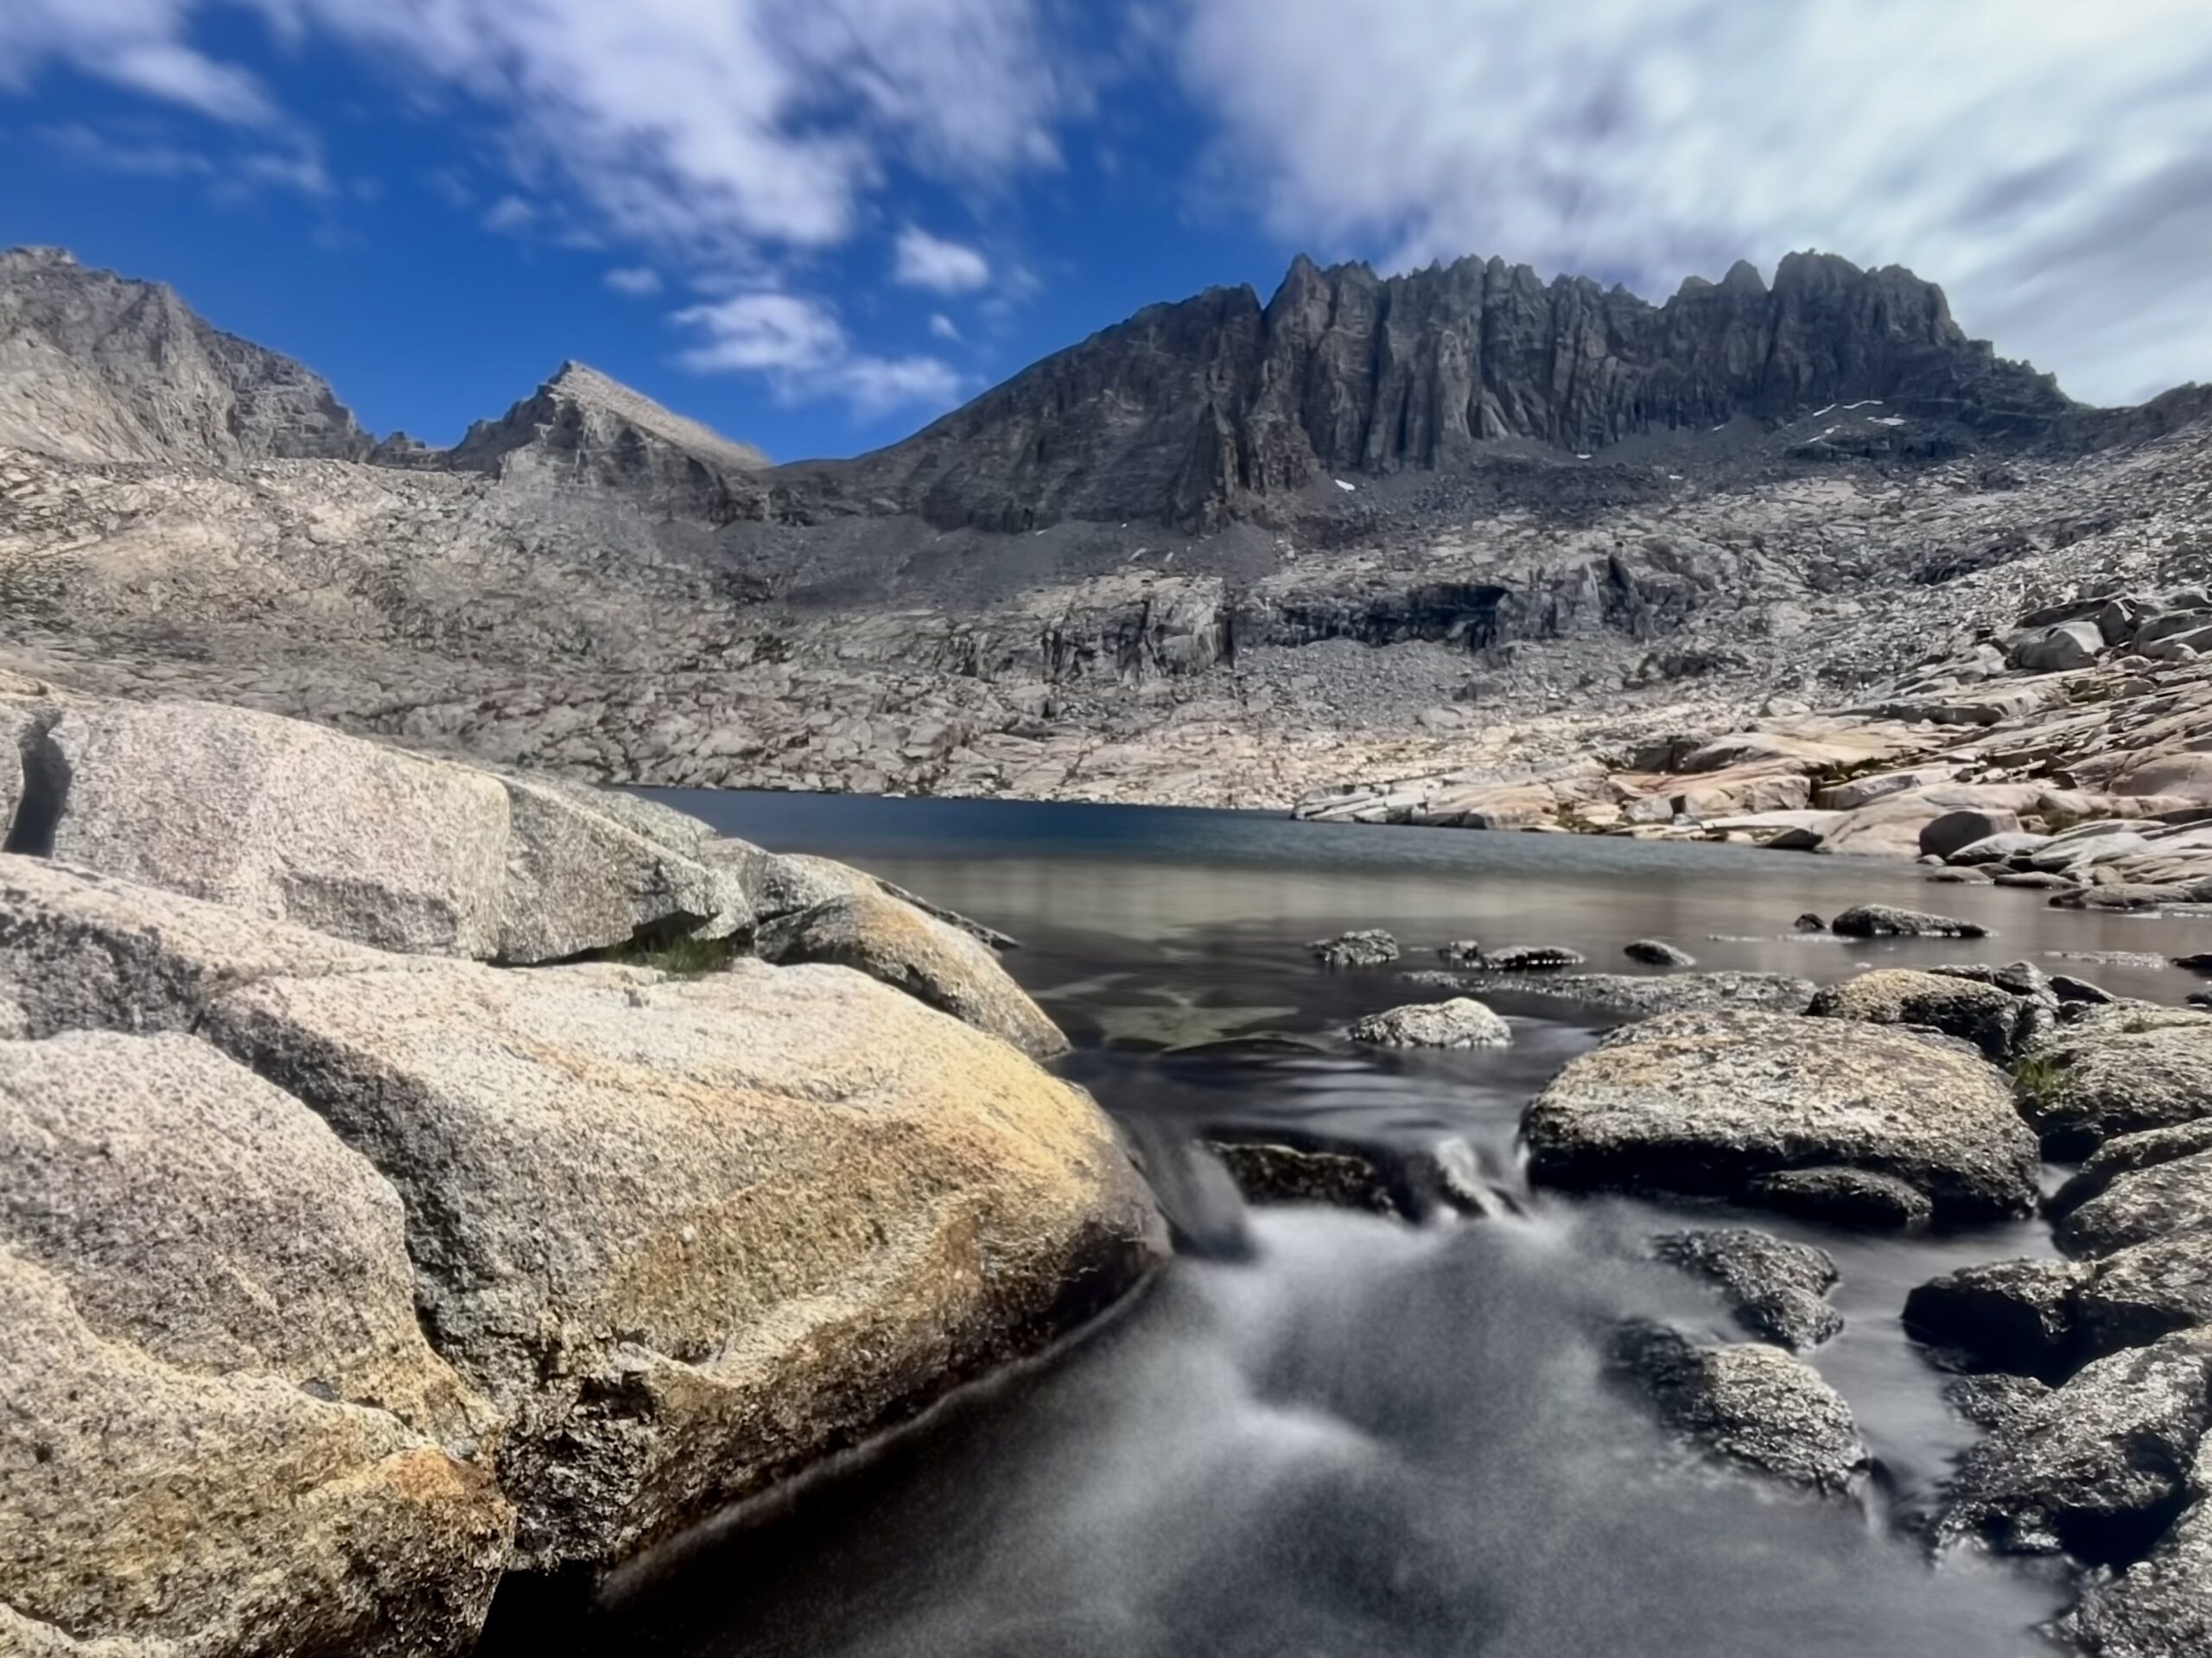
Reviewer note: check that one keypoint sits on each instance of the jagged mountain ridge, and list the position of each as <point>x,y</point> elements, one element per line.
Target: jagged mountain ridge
<point>1195,412</point>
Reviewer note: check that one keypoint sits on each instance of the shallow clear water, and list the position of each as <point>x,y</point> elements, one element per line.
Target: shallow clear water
<point>1364,1437</point>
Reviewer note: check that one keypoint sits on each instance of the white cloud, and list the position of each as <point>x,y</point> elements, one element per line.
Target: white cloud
<point>138,44</point>
<point>804,351</point>
<point>943,327</point>
<point>509,216</point>
<point>638,282</point>
<point>2046,160</point>
<point>88,147</point>
<point>922,260</point>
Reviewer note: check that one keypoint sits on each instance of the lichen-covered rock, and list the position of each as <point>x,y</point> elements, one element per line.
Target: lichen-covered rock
<point>174,1509</point>
<point>1777,1289</point>
<point>1752,1403</point>
<point>1846,1196</point>
<point>2015,1315</point>
<point>932,961</point>
<point>2096,1469</point>
<point>2139,1293</point>
<point>1887,921</point>
<point>1657,952</point>
<point>1995,1020</point>
<point>2125,1154</point>
<point>1362,947</point>
<point>2118,1072</point>
<point>1462,1022</point>
<point>1708,1102</point>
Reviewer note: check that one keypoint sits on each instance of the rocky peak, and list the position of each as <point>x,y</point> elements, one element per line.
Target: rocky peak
<point>582,427</point>
<point>96,366</point>
<point>1196,412</point>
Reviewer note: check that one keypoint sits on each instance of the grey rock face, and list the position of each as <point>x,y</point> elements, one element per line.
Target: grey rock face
<point>1753,1404</point>
<point>1995,1020</point>
<point>1777,1289</point>
<point>932,961</point>
<point>98,367</point>
<point>1191,411</point>
<point>1887,921</point>
<point>1462,1022</point>
<point>1709,1103</point>
<point>2162,1200</point>
<point>2099,1079</point>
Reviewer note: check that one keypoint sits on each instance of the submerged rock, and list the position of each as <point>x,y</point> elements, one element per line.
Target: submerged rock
<point>1362,947</point>
<point>931,961</point>
<point>1709,1103</point>
<point>1777,1289</point>
<point>1995,1020</point>
<point>1887,921</point>
<point>1529,958</point>
<point>1657,952</point>
<point>1637,995</point>
<point>1462,1022</point>
<point>1752,1403</point>
<point>1268,1172</point>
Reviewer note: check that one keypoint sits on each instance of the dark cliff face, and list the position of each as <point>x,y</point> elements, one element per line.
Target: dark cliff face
<point>1196,412</point>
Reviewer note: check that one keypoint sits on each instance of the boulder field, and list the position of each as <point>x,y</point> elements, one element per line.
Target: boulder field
<point>375,1222</point>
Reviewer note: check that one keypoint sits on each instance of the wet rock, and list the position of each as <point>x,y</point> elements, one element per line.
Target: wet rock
<point>1845,1196</point>
<point>1269,1172</point>
<point>1995,1020</point>
<point>1635,995</point>
<point>1993,1398</point>
<point>1887,921</point>
<point>1363,947</point>
<point>1777,1289</point>
<point>1461,949</point>
<point>2160,1606</point>
<point>1752,1403</point>
<point>2098,1469</point>
<point>1529,958</point>
<point>2160,1200</point>
<point>1463,1022</point>
<point>2118,1072</point>
<point>2125,1154</point>
<point>1657,952</point>
<point>935,963</point>
<point>1810,922</point>
<point>2013,1315</point>
<point>1708,1102</point>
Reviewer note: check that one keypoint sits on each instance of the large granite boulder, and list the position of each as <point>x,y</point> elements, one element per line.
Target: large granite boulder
<point>282,819</point>
<point>1709,1103</point>
<point>2123,1073</point>
<point>2159,1200</point>
<point>224,1428</point>
<point>932,961</point>
<point>686,1236</point>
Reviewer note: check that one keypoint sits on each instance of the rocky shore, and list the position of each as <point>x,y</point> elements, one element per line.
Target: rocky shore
<point>376,1222</point>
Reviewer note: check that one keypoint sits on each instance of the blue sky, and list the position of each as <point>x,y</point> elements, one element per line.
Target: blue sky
<point>815,223</point>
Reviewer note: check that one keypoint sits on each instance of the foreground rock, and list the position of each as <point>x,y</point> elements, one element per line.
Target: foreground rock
<point>1995,1020</point>
<point>1753,1404</point>
<point>2120,1075</point>
<point>1710,1103</point>
<point>1777,1289</point>
<point>684,1236</point>
<point>2018,1316</point>
<point>932,961</point>
<point>1462,1022</point>
<point>2161,1605</point>
<point>224,1428</point>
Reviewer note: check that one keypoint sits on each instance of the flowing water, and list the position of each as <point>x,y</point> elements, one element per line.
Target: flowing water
<point>1358,1436</point>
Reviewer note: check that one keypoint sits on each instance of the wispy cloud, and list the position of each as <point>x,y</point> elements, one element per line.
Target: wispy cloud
<point>2041,158</point>
<point>138,44</point>
<point>87,146</point>
<point>802,351</point>
<point>638,282</point>
<point>942,327</point>
<point>509,216</point>
<point>921,260</point>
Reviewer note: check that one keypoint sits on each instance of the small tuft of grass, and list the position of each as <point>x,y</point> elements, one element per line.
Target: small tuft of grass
<point>2033,1075</point>
<point>678,957</point>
